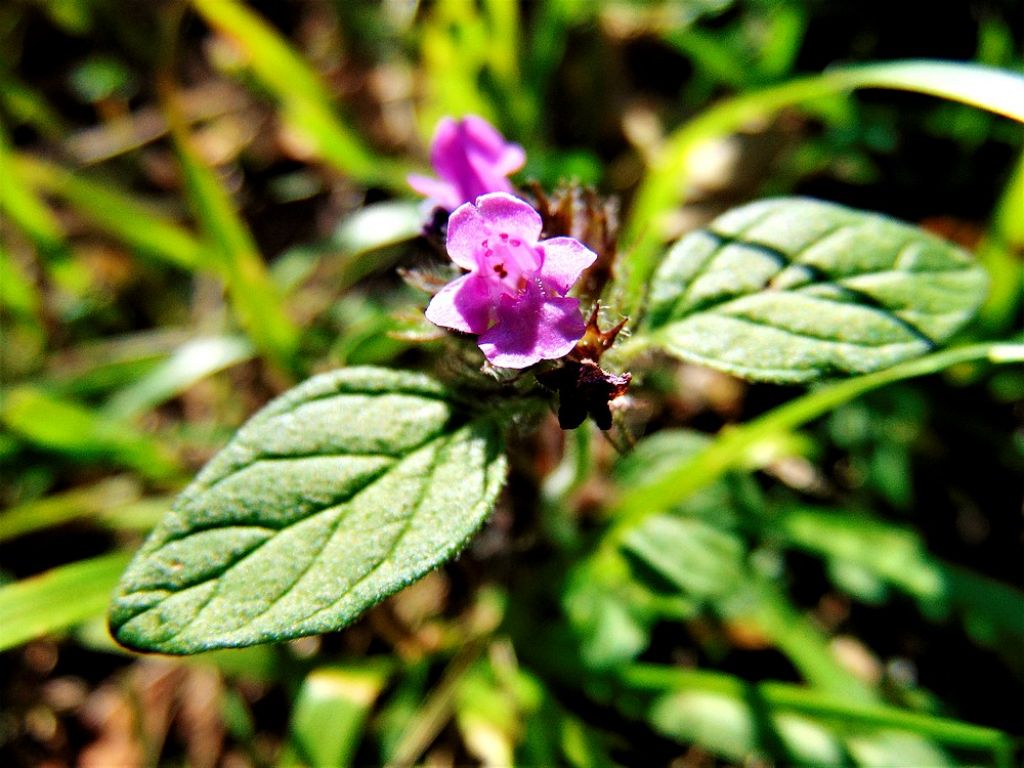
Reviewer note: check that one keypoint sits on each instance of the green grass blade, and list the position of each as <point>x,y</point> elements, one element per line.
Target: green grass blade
<point>547,42</point>
<point>25,208</point>
<point>1000,252</point>
<point>787,28</point>
<point>805,644</point>
<point>114,211</point>
<point>191,363</point>
<point>254,297</point>
<point>341,696</point>
<point>836,710</point>
<point>519,107</point>
<point>26,106</point>
<point>454,49</point>
<point>988,88</point>
<point>68,428</point>
<point>663,188</point>
<point>97,367</point>
<point>18,294</point>
<point>304,100</point>
<point>60,508</point>
<point>57,599</point>
<point>734,447</point>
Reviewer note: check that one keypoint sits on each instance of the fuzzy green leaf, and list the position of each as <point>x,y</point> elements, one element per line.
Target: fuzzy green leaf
<point>334,496</point>
<point>792,290</point>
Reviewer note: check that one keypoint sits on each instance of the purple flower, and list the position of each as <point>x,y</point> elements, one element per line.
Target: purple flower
<point>514,295</point>
<point>471,158</point>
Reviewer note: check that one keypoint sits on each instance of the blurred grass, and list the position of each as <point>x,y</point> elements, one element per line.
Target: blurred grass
<point>114,211</point>
<point>254,297</point>
<point>665,184</point>
<point>692,707</point>
<point>71,429</point>
<point>1000,251</point>
<point>340,696</point>
<point>116,502</point>
<point>896,556</point>
<point>304,102</point>
<point>26,209</point>
<point>122,374</point>
<point>738,445</point>
<point>57,599</point>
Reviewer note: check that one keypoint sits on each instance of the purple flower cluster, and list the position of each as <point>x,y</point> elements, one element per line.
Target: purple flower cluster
<point>514,295</point>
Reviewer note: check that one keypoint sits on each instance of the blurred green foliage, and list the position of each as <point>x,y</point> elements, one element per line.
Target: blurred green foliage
<point>203,203</point>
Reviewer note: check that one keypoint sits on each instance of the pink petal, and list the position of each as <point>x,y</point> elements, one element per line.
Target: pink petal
<point>504,158</point>
<point>507,213</point>
<point>462,305</point>
<point>473,157</point>
<point>493,215</point>
<point>466,231</point>
<point>441,193</point>
<point>444,143</point>
<point>532,327</point>
<point>512,158</point>
<point>565,258</point>
<point>482,177</point>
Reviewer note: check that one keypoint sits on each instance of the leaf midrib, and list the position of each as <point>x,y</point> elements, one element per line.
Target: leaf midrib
<point>665,331</point>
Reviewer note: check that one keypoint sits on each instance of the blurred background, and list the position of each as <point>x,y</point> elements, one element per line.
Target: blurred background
<point>203,203</point>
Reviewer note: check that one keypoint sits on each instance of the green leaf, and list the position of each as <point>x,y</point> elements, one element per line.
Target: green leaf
<point>336,495</point>
<point>611,624</point>
<point>700,559</point>
<point>792,289</point>
<point>57,599</point>
<point>696,552</point>
<point>896,555</point>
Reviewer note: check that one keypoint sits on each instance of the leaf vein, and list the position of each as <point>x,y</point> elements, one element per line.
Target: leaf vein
<point>710,260</point>
<point>272,457</point>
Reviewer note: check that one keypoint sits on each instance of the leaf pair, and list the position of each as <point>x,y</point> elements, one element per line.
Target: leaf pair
<point>359,481</point>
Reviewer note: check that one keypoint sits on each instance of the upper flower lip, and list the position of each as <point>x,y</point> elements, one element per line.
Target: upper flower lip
<point>500,223</point>
<point>475,228</point>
